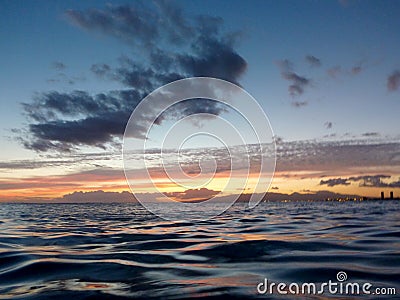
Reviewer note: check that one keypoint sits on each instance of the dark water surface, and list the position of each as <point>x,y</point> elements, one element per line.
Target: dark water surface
<point>106,251</point>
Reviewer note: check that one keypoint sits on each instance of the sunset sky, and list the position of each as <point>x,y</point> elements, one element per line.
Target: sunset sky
<point>327,74</point>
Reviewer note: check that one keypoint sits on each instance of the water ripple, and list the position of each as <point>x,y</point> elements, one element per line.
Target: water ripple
<point>104,251</point>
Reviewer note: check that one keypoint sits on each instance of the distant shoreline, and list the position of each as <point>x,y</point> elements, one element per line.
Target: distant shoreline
<point>237,202</point>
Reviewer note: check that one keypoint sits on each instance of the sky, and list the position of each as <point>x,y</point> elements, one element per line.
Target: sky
<point>326,73</point>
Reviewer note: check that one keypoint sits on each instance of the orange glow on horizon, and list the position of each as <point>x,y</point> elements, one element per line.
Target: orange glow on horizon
<point>51,187</point>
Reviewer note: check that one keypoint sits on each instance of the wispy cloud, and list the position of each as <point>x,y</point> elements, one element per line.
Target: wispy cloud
<point>58,65</point>
<point>393,81</point>
<point>330,160</point>
<point>313,61</point>
<point>328,125</point>
<point>356,70</point>
<point>319,157</point>
<point>297,82</point>
<point>299,103</point>
<point>370,134</point>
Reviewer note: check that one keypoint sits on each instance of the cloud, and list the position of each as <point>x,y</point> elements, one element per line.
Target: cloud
<point>285,65</point>
<point>356,70</point>
<point>61,77</point>
<point>393,81</point>
<point>313,61</point>
<point>299,103</point>
<point>365,181</point>
<point>58,65</point>
<point>337,71</point>
<point>370,134</point>
<point>206,51</point>
<point>193,194</point>
<point>295,160</point>
<point>311,159</point>
<point>96,119</point>
<point>68,180</point>
<point>132,24</point>
<point>297,82</point>
<point>375,181</point>
<point>335,181</point>
<point>328,125</point>
<point>176,46</point>
<point>96,196</point>
<point>100,69</point>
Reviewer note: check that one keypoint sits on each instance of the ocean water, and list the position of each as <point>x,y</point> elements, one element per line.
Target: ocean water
<point>107,251</point>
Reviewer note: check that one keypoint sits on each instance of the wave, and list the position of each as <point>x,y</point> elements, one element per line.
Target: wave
<point>121,251</point>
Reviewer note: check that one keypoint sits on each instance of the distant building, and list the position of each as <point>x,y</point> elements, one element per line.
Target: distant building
<point>391,195</point>
<point>382,195</point>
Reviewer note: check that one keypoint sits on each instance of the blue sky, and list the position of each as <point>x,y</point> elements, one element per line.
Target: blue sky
<point>340,34</point>
<point>343,95</point>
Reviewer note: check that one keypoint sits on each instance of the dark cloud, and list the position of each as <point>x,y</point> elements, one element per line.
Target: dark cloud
<point>370,134</point>
<point>96,196</point>
<point>393,81</point>
<point>132,24</point>
<point>375,181</point>
<point>328,125</point>
<point>65,79</point>
<point>313,61</point>
<point>335,181</point>
<point>356,70</point>
<point>98,118</point>
<point>297,82</point>
<point>299,103</point>
<point>176,46</point>
<point>58,65</point>
<point>100,69</point>
<point>285,65</point>
<point>365,181</point>
<point>193,194</point>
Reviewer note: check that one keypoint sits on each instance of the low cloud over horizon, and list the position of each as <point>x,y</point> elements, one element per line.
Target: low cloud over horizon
<point>334,161</point>
<point>364,181</point>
